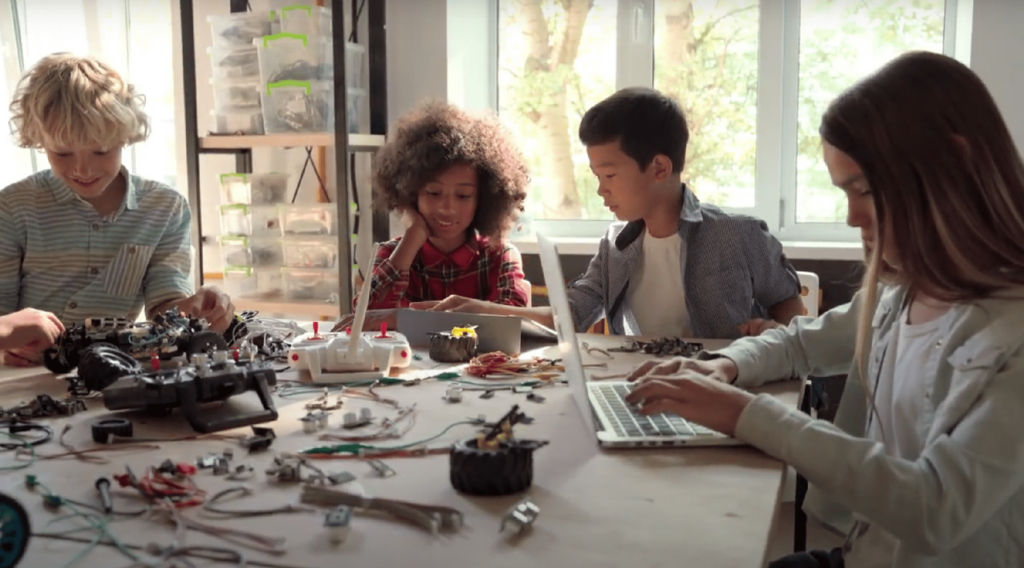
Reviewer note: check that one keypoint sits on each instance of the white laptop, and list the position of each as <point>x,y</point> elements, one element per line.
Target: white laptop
<point>601,403</point>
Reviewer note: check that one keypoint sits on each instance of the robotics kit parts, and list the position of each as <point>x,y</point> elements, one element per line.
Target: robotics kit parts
<point>45,406</point>
<point>323,403</point>
<point>520,516</point>
<point>432,518</point>
<point>314,421</point>
<point>382,469</point>
<point>453,393</point>
<point>107,430</point>
<point>259,441</point>
<point>495,463</point>
<point>190,386</point>
<point>456,346</point>
<point>351,420</point>
<point>338,522</point>
<point>667,346</point>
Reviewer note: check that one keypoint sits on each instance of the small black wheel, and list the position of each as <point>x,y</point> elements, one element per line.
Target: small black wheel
<point>502,471</point>
<point>60,361</point>
<point>102,364</point>
<point>15,530</point>
<point>203,341</point>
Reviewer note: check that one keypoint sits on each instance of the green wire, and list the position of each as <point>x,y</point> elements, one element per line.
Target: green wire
<point>356,448</point>
<point>100,524</point>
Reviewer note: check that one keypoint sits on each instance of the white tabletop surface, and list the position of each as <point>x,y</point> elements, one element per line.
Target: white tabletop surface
<point>644,508</point>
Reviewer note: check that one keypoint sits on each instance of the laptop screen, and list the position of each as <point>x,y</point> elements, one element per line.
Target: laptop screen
<point>567,343</point>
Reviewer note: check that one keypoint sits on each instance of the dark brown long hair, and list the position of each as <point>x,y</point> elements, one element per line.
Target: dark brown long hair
<point>946,178</point>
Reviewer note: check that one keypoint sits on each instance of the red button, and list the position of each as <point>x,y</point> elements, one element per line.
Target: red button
<point>404,354</point>
<point>295,356</point>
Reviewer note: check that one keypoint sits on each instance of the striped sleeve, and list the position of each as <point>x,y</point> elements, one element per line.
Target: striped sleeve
<point>12,246</point>
<point>167,276</point>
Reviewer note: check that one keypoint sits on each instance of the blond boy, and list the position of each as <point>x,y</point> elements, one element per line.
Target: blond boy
<point>86,238</point>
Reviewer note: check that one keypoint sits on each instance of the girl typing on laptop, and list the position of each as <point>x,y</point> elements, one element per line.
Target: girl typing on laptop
<point>924,465</point>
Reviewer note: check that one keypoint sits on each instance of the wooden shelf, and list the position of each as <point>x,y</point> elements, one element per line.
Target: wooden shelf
<point>318,310</point>
<point>356,142</point>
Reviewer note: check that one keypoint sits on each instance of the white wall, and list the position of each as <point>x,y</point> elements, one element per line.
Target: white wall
<point>997,56</point>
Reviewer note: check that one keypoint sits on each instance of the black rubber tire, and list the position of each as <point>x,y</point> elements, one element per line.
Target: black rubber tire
<point>55,365</point>
<point>102,364</point>
<point>202,341</point>
<point>15,530</point>
<point>503,471</point>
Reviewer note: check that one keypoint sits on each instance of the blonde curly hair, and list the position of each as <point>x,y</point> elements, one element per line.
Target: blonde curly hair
<point>71,101</point>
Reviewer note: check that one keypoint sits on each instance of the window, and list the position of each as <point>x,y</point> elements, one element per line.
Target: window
<point>753,78</point>
<point>134,36</point>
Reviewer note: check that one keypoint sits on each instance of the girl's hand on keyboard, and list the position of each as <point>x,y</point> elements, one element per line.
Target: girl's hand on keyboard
<point>722,369</point>
<point>709,403</point>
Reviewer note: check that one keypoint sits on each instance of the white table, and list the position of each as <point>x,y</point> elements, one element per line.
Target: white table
<point>675,507</point>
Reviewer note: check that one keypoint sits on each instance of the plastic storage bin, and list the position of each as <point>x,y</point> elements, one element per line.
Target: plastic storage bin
<point>298,106</point>
<point>250,220</point>
<point>258,252</point>
<point>237,121</point>
<point>234,62</point>
<point>294,57</point>
<point>236,93</point>
<point>354,106</point>
<point>253,283</point>
<point>309,220</point>
<point>254,189</point>
<point>310,285</point>
<point>306,19</point>
<point>238,29</point>
<point>309,252</point>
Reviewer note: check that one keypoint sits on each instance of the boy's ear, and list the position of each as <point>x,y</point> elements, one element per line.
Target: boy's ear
<point>662,167</point>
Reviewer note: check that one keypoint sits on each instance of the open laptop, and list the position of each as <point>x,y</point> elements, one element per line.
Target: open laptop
<point>602,403</point>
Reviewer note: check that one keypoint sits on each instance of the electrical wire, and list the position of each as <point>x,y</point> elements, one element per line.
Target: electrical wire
<point>245,490</point>
<point>498,363</point>
<point>201,552</point>
<point>25,444</point>
<point>363,450</point>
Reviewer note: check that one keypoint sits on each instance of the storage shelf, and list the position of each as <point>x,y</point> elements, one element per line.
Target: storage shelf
<point>356,142</point>
<point>315,310</point>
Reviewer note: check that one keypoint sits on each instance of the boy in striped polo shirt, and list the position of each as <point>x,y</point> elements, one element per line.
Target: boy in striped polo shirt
<point>86,238</point>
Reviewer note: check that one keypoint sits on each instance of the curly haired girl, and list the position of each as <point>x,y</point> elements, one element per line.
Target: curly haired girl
<point>459,182</point>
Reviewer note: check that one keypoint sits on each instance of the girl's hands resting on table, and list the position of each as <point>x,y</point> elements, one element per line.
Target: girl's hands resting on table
<point>698,391</point>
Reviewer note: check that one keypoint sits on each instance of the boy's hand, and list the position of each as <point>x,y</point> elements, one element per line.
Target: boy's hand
<point>211,304</point>
<point>372,322</point>
<point>30,329</point>
<point>26,357</point>
<point>416,228</point>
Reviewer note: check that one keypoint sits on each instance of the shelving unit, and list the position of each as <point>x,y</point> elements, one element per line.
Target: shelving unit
<point>340,140</point>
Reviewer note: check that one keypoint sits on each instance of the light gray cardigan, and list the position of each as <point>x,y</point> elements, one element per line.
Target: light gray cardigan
<point>961,503</point>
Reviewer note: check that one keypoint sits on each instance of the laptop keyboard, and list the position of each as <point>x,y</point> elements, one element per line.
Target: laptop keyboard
<point>627,421</point>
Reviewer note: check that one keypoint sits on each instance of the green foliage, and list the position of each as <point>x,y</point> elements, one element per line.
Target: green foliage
<point>716,83</point>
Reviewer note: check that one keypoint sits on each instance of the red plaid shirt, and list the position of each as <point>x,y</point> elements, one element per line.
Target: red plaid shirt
<point>473,270</point>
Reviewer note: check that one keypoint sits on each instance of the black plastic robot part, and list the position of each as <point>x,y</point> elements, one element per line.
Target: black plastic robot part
<point>168,335</point>
<point>504,469</point>
<point>444,347</point>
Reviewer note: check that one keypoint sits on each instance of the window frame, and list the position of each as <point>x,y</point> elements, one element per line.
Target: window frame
<point>775,174</point>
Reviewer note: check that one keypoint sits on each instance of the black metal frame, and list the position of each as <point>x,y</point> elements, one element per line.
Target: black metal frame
<point>243,156</point>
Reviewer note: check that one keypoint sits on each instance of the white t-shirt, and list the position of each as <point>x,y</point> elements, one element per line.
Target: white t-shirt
<point>656,293</point>
<point>901,398</point>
